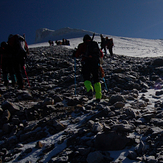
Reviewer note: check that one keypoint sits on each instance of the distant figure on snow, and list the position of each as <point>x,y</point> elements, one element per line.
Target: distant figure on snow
<point>58,42</point>
<point>110,44</point>
<point>103,44</point>
<point>51,43</point>
<point>64,42</point>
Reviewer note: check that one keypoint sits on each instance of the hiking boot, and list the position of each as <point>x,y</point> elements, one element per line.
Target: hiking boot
<point>6,83</point>
<point>98,100</point>
<point>20,87</point>
<point>13,84</point>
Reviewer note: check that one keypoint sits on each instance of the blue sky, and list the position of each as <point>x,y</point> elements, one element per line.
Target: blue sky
<point>127,18</point>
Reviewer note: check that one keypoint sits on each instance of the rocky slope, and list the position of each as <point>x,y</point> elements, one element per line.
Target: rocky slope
<point>82,129</point>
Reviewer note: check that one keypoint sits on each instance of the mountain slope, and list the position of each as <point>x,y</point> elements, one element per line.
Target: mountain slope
<point>47,123</point>
<point>136,47</point>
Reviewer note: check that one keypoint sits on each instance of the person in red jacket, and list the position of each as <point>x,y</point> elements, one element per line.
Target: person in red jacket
<point>90,66</point>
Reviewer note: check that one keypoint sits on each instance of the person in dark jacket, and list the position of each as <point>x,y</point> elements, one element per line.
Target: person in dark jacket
<point>7,64</point>
<point>110,44</point>
<point>18,47</point>
<point>89,67</point>
<point>103,44</point>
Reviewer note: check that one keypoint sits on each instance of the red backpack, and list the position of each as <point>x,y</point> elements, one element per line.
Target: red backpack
<point>109,43</point>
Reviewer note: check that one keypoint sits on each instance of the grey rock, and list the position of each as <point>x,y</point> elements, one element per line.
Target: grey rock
<point>157,62</point>
<point>123,127</point>
<point>10,106</point>
<point>119,104</point>
<point>95,157</point>
<point>84,151</point>
<point>6,116</point>
<point>111,141</point>
<point>116,98</point>
<point>151,159</point>
<point>97,127</point>
<point>140,148</point>
<point>132,155</point>
<point>6,127</point>
<point>24,95</point>
<point>59,126</point>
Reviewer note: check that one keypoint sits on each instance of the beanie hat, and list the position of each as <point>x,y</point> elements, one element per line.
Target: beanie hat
<point>86,37</point>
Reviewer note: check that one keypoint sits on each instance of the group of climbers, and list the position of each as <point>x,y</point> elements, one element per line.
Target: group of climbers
<point>13,54</point>
<point>51,43</point>
<point>107,43</point>
<point>63,42</point>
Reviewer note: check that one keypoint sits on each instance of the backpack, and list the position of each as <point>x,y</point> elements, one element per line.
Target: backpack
<point>17,47</point>
<point>5,51</point>
<point>93,52</point>
<point>110,43</point>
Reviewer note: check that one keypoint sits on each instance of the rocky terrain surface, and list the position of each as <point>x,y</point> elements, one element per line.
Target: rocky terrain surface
<point>83,130</point>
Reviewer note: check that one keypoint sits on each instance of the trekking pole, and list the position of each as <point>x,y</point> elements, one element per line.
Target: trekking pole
<point>26,75</point>
<point>75,74</point>
<point>102,75</point>
<point>93,36</point>
<point>105,84</point>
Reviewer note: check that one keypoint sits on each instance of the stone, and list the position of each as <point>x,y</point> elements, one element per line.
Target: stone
<point>97,127</point>
<point>94,157</point>
<point>10,106</point>
<point>116,98</point>
<point>111,141</point>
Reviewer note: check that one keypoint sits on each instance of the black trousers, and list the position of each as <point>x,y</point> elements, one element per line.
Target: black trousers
<point>111,51</point>
<point>18,71</point>
<point>90,69</point>
<point>8,68</point>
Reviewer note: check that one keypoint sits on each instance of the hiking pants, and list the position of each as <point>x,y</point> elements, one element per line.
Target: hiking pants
<point>7,68</point>
<point>104,47</point>
<point>111,51</point>
<point>18,72</point>
<point>89,69</point>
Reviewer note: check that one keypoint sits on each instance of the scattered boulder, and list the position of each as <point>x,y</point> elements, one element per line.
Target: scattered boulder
<point>111,141</point>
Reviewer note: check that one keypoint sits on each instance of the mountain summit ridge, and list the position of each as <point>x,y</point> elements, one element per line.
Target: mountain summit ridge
<point>45,34</point>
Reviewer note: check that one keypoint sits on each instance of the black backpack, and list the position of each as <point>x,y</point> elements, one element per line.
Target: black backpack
<point>93,52</point>
<point>17,47</point>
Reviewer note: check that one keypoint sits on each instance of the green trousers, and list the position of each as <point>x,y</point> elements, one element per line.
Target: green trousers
<point>97,87</point>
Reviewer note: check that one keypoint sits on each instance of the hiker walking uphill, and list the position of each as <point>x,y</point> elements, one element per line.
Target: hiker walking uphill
<point>110,44</point>
<point>6,61</point>
<point>90,53</point>
<point>103,44</point>
<point>19,48</point>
